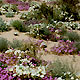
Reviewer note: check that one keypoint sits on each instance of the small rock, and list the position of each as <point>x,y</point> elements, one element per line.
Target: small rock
<point>16,33</point>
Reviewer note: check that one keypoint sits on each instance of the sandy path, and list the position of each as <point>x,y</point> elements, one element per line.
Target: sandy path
<point>10,35</point>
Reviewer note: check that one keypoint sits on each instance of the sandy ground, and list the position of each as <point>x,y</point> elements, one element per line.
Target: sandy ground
<point>48,57</point>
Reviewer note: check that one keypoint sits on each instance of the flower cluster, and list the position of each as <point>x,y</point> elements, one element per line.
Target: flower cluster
<point>28,69</point>
<point>21,5</point>
<point>44,31</point>
<point>8,8</point>
<point>64,48</point>
<point>68,25</point>
<point>16,64</point>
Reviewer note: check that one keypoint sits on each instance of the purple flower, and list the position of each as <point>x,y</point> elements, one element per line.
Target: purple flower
<point>70,51</point>
<point>10,78</point>
<point>65,50</point>
<point>0,68</point>
<point>20,7</point>
<point>59,51</point>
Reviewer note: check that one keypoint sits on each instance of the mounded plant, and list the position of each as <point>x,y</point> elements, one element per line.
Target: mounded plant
<point>62,69</point>
<point>3,26</point>
<point>72,36</point>
<point>16,44</point>
<point>18,25</point>
<point>3,44</point>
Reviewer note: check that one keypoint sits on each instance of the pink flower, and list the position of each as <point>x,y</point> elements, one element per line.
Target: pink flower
<point>65,50</point>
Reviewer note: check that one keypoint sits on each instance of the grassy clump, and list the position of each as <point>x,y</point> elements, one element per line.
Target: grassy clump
<point>16,44</point>
<point>3,44</point>
<point>61,69</point>
<point>18,25</point>
<point>72,36</point>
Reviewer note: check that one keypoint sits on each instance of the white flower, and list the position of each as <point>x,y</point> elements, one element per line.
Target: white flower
<point>78,74</point>
<point>33,72</point>
<point>38,75</point>
<point>68,72</point>
<point>59,78</point>
<point>47,27</point>
<point>19,57</point>
<point>14,74</point>
<point>56,31</point>
<point>72,77</point>
<point>25,60</point>
<point>11,69</point>
<point>41,76</point>
<point>9,51</point>
<point>77,79</point>
<point>17,51</point>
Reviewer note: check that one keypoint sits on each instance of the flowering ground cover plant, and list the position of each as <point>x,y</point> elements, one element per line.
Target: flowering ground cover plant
<point>68,25</point>
<point>21,5</point>
<point>9,10</point>
<point>65,48</point>
<point>44,31</point>
<point>16,64</point>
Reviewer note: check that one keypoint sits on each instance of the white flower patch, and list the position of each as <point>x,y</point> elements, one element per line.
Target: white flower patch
<point>9,51</point>
<point>29,69</point>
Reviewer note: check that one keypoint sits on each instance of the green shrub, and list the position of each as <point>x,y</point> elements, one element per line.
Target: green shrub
<point>61,69</point>
<point>16,44</point>
<point>17,24</point>
<point>72,36</point>
<point>3,44</point>
<point>46,11</point>
<point>3,26</point>
<point>70,7</point>
<point>77,45</point>
<point>57,14</point>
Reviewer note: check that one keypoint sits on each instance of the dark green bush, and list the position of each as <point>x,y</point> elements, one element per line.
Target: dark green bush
<point>57,14</point>
<point>3,44</point>
<point>70,7</point>
<point>17,24</point>
<point>47,11</point>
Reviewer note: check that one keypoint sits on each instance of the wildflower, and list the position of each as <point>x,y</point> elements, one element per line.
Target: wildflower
<point>59,78</point>
<point>72,77</point>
